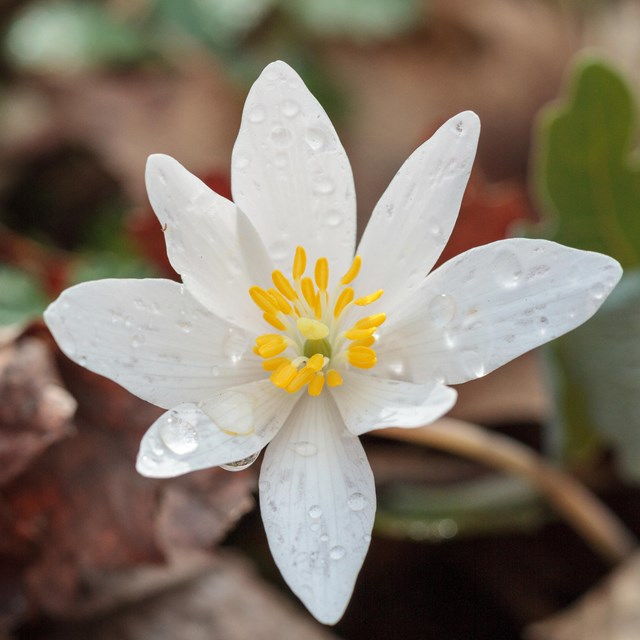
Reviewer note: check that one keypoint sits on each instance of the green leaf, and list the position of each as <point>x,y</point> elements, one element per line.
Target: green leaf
<point>602,363</point>
<point>586,176</point>
<point>20,298</point>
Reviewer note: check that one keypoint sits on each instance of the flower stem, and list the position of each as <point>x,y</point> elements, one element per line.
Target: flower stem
<point>599,526</point>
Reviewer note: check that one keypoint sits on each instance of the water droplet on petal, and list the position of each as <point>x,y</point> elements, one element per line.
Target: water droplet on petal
<point>240,161</point>
<point>241,465</point>
<point>184,326</point>
<point>136,341</point>
<point>178,435</point>
<point>314,526</point>
<point>324,538</point>
<point>304,448</point>
<point>315,138</point>
<point>506,269</point>
<point>324,186</point>
<point>459,127</point>
<point>257,114</point>
<point>289,108</point>
<point>215,371</point>
<point>472,363</point>
<point>281,137</point>
<point>442,308</point>
<point>598,291</point>
<point>334,218</point>
<point>315,511</point>
<point>357,502</point>
<point>235,344</point>
<point>264,485</point>
<point>337,553</point>
<point>279,250</point>
<point>366,538</point>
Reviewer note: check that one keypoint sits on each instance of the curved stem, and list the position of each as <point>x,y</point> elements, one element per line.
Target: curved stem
<point>600,527</point>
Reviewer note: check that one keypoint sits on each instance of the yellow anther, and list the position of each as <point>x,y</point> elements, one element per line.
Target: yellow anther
<point>284,286</point>
<point>372,297</point>
<point>299,263</point>
<point>334,379</point>
<point>280,301</point>
<point>322,274</point>
<point>312,329</point>
<point>317,307</point>
<point>359,334</point>
<point>273,348</point>
<point>274,363</point>
<point>362,357</point>
<point>273,320</point>
<point>282,376</point>
<point>303,377</point>
<point>345,298</point>
<point>308,291</point>
<point>262,299</point>
<point>370,321</point>
<point>267,337</point>
<point>353,271</point>
<point>316,384</point>
<point>316,362</point>
<point>365,342</point>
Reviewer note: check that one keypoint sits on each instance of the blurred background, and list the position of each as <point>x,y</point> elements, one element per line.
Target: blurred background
<point>88,89</point>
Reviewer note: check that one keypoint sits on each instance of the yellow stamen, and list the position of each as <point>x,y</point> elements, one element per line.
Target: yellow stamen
<point>308,291</point>
<point>370,321</point>
<point>273,348</point>
<point>280,301</point>
<point>317,307</point>
<point>345,297</point>
<point>322,273</point>
<point>284,375</point>
<point>299,263</point>
<point>273,320</point>
<point>334,379</point>
<point>267,337</point>
<point>302,378</point>
<point>284,286</point>
<point>262,299</point>
<point>359,334</point>
<point>362,357</point>
<point>353,271</point>
<point>365,342</point>
<point>316,362</point>
<point>312,329</point>
<point>274,363</point>
<point>372,297</point>
<point>316,384</point>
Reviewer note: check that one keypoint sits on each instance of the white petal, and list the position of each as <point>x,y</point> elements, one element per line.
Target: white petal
<point>153,338</point>
<point>290,174</point>
<point>207,243</point>
<point>368,403</point>
<point>491,304</point>
<point>412,222</point>
<point>317,498</point>
<point>187,438</point>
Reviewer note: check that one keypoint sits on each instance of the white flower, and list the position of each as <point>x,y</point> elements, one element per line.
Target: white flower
<point>251,351</point>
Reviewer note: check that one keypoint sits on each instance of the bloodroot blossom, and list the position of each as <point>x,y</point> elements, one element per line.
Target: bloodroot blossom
<point>279,336</point>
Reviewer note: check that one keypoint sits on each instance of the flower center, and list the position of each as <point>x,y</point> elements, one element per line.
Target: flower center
<point>311,346</point>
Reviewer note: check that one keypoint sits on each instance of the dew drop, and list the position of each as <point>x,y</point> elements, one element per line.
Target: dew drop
<point>281,137</point>
<point>156,447</point>
<point>215,371</point>
<point>366,538</point>
<point>597,291</point>
<point>82,361</point>
<point>178,435</point>
<point>137,340</point>
<point>459,128</point>
<point>314,526</point>
<point>279,250</point>
<point>334,218</point>
<point>506,269</point>
<point>304,448</point>
<point>315,138</point>
<point>337,553</point>
<point>324,538</point>
<point>257,114</point>
<point>241,161</point>
<point>289,108</point>
<point>235,344</point>
<point>472,363</point>
<point>184,326</point>
<point>442,308</point>
<point>357,502</point>
<point>324,186</point>
<point>241,465</point>
<point>315,511</point>
<point>264,485</point>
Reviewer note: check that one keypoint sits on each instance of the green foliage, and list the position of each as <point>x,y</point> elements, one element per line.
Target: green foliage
<point>20,298</point>
<point>68,35</point>
<point>585,173</point>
